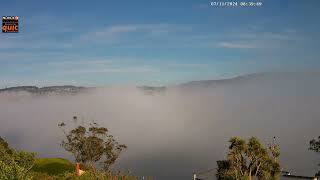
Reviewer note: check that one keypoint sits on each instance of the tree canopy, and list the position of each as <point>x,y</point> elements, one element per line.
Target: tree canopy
<point>315,146</point>
<point>246,160</point>
<point>91,144</point>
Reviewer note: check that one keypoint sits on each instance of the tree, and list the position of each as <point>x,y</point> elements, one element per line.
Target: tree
<point>91,145</point>
<point>223,172</point>
<point>315,146</point>
<point>247,160</point>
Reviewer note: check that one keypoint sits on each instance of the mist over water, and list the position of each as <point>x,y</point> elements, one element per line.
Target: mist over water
<point>171,134</point>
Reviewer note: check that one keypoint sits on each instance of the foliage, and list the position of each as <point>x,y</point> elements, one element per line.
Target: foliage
<point>92,144</point>
<point>53,166</point>
<point>4,147</point>
<point>223,172</point>
<point>89,175</point>
<point>42,176</point>
<point>315,146</point>
<point>13,172</point>
<point>247,160</point>
<point>14,164</point>
<point>102,176</point>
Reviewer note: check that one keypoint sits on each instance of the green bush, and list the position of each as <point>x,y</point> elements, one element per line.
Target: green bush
<point>14,164</point>
<point>13,172</point>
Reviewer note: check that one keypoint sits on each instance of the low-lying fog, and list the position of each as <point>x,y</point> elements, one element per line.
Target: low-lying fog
<point>171,134</point>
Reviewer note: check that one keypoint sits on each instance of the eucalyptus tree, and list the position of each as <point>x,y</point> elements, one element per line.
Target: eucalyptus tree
<point>249,160</point>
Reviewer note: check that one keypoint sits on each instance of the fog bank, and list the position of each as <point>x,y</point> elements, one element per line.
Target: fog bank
<point>179,130</point>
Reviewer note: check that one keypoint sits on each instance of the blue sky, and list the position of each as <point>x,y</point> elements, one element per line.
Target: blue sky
<point>143,42</point>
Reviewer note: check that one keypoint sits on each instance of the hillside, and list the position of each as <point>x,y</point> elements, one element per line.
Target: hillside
<point>53,166</point>
<point>46,90</point>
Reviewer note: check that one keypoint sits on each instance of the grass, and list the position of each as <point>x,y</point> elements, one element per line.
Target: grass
<point>53,166</point>
<point>62,169</point>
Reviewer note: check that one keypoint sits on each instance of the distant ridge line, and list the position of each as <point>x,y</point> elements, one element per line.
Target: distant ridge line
<point>44,90</point>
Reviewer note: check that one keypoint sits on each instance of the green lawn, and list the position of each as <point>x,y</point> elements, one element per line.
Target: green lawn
<point>53,166</point>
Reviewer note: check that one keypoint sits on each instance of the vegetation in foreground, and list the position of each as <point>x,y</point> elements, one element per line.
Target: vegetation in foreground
<point>315,146</point>
<point>89,145</point>
<point>53,166</point>
<point>89,175</point>
<point>59,168</point>
<point>14,164</point>
<point>249,160</point>
<point>246,160</point>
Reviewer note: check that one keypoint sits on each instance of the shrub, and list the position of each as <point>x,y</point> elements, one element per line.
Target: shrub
<point>14,164</point>
<point>13,172</point>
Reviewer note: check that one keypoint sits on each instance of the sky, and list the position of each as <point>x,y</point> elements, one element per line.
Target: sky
<point>103,43</point>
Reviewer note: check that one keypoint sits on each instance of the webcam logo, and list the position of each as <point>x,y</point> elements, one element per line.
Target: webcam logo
<point>10,24</point>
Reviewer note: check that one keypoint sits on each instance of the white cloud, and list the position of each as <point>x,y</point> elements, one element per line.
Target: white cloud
<point>290,30</point>
<point>115,31</point>
<point>99,65</point>
<point>70,63</point>
<point>267,36</point>
<point>134,28</point>
<point>111,69</point>
<point>188,65</point>
<point>30,42</point>
<point>237,45</point>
